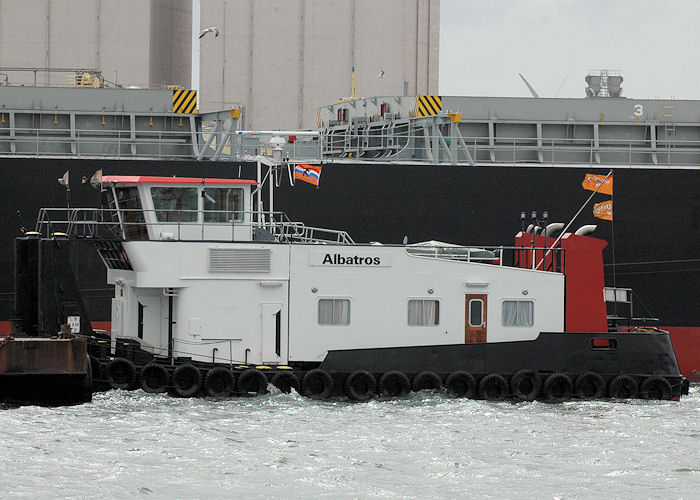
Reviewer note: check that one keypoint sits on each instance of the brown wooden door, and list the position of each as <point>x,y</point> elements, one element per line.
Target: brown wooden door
<point>474,318</point>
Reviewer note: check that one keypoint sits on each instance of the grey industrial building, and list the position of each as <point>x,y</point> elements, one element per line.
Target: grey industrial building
<point>133,42</point>
<point>284,59</point>
<point>281,59</point>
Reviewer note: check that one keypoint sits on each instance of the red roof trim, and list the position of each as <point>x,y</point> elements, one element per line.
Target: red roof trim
<point>145,179</point>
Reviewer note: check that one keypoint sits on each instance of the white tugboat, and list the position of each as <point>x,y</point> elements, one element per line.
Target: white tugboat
<point>216,296</point>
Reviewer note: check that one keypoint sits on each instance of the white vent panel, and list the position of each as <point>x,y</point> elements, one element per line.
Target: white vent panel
<point>239,260</point>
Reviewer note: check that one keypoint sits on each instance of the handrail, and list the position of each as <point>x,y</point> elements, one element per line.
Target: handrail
<point>93,223</point>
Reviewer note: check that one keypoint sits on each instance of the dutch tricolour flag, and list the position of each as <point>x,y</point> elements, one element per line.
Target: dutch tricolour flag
<point>307,173</point>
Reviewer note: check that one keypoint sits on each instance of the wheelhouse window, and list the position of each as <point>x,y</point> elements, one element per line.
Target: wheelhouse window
<point>423,312</point>
<point>518,313</point>
<point>175,204</point>
<point>223,204</point>
<point>129,204</point>
<point>334,312</point>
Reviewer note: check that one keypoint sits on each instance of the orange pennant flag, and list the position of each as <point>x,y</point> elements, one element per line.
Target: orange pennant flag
<point>603,210</point>
<point>593,182</point>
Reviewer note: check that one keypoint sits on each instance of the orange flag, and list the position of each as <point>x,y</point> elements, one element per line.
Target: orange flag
<point>593,181</point>
<point>603,210</point>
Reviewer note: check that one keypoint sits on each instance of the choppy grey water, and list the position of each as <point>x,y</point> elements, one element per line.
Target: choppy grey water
<point>129,444</point>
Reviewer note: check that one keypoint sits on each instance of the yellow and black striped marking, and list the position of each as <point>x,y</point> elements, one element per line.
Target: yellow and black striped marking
<point>185,101</point>
<point>427,105</point>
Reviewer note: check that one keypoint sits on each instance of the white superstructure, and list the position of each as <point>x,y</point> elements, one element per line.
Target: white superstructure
<point>214,280</point>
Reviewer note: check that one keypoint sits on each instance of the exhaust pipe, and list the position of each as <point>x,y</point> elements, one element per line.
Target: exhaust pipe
<point>586,230</point>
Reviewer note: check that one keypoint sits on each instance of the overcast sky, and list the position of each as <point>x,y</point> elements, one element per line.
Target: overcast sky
<point>484,44</point>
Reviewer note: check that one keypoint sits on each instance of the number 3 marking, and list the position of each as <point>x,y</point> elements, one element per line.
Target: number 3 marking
<point>638,110</point>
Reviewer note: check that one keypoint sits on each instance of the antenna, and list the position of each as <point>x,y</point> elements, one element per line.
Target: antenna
<point>353,84</point>
<point>529,87</point>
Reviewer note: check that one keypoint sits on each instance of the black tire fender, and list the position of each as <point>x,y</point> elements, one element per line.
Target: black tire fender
<point>219,382</point>
<point>461,384</point>
<point>493,387</point>
<point>525,385</point>
<point>656,387</point>
<point>186,380</point>
<point>623,386</point>
<point>426,380</point>
<point>252,382</point>
<point>589,385</point>
<point>317,384</point>
<point>121,373</point>
<point>285,382</point>
<point>557,388</point>
<point>360,385</point>
<point>154,378</point>
<point>394,384</point>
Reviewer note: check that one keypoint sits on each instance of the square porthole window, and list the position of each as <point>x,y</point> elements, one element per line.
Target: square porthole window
<point>334,312</point>
<point>518,313</point>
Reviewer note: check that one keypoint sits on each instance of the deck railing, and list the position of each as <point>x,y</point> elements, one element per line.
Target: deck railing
<point>181,225</point>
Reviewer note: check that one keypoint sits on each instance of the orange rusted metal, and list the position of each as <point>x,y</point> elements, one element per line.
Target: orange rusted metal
<point>41,356</point>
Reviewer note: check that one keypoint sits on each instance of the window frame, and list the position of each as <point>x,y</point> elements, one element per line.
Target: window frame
<point>436,301</point>
<point>469,319</point>
<point>238,215</point>
<point>188,215</point>
<point>503,316</point>
<point>333,299</point>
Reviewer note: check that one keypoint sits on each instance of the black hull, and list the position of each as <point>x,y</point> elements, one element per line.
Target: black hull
<point>655,236</point>
<point>637,354</point>
<point>558,367</point>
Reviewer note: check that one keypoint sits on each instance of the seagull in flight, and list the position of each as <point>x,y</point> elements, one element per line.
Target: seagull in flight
<point>213,29</point>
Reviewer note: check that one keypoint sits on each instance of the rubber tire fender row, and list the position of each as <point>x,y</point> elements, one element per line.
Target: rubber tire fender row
<point>99,374</point>
<point>426,380</point>
<point>154,378</point>
<point>317,384</point>
<point>589,385</point>
<point>394,384</point>
<point>121,373</point>
<point>219,382</point>
<point>186,380</point>
<point>525,385</point>
<point>623,387</point>
<point>285,382</point>
<point>493,387</point>
<point>656,387</point>
<point>557,388</point>
<point>360,385</point>
<point>252,382</point>
<point>461,384</point>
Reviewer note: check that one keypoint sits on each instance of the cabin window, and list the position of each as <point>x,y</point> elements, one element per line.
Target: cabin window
<point>175,204</point>
<point>518,313</point>
<point>476,312</point>
<point>223,204</point>
<point>334,312</point>
<point>423,312</point>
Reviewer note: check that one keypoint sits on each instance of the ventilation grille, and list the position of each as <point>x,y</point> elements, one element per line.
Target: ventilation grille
<point>239,260</point>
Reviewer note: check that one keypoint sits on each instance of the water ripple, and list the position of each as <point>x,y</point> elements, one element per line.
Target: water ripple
<point>129,444</point>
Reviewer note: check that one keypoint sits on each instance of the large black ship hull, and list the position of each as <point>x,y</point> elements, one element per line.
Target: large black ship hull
<point>654,240</point>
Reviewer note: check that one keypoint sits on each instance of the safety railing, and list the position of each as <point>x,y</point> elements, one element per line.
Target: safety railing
<point>511,256</point>
<point>171,137</point>
<point>435,141</point>
<point>181,225</point>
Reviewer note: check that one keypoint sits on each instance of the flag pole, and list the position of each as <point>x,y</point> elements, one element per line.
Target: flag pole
<point>549,250</point>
